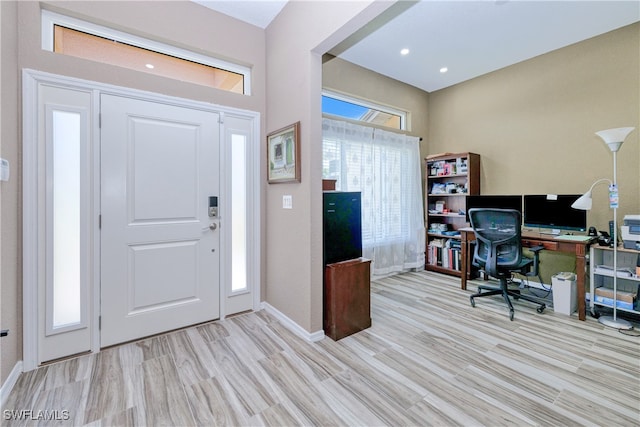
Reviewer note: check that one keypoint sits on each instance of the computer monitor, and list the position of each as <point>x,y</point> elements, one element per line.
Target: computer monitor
<point>553,212</point>
<point>494,201</point>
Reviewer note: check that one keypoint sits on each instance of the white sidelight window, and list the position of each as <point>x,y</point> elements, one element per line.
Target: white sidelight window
<point>238,213</point>
<point>65,208</point>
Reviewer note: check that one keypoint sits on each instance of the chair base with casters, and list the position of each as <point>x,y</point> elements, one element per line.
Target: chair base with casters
<point>503,289</point>
<point>498,252</point>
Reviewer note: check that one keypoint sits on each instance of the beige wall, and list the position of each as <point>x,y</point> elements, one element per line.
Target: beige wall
<point>533,123</point>
<point>181,23</point>
<point>10,223</point>
<point>296,40</point>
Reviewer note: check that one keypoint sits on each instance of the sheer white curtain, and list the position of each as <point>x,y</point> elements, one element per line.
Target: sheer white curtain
<point>385,168</point>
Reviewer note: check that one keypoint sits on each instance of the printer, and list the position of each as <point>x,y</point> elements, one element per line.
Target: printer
<point>631,232</point>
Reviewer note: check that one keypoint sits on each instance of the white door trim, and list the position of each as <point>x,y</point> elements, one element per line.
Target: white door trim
<point>32,217</point>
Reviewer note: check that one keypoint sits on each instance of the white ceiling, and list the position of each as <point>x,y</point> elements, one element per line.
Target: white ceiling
<point>257,12</point>
<point>470,38</point>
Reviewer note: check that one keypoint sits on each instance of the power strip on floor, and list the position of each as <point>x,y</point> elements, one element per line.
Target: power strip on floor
<point>532,284</point>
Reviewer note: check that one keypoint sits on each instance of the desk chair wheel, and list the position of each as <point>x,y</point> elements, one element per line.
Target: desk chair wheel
<point>541,308</point>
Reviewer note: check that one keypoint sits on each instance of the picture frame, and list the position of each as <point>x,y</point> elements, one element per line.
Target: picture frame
<point>283,155</point>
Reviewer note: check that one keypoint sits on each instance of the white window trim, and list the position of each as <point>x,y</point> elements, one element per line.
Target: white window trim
<point>367,104</point>
<point>50,19</point>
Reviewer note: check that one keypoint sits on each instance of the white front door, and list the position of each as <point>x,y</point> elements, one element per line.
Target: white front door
<point>160,249</point>
<point>116,226</point>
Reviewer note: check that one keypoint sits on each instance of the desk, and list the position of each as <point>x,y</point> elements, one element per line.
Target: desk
<point>550,243</point>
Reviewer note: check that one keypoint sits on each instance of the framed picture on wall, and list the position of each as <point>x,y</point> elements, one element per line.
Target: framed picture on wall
<point>283,155</point>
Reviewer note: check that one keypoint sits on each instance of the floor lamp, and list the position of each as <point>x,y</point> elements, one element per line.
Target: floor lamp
<point>614,139</point>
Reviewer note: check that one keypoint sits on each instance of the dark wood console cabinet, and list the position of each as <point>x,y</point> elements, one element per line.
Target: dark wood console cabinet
<point>347,298</point>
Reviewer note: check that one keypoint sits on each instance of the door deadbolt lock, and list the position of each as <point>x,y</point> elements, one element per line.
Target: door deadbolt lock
<point>213,206</point>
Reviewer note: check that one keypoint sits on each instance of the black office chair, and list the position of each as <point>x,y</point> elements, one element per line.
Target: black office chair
<point>499,253</point>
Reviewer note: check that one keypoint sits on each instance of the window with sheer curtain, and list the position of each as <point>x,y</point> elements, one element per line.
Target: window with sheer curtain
<point>385,167</point>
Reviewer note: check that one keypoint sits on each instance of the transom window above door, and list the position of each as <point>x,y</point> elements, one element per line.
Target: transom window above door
<point>69,36</point>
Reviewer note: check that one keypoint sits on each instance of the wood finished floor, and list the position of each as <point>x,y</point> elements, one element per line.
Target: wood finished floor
<point>429,359</point>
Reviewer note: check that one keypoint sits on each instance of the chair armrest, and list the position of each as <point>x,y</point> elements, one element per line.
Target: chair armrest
<point>536,261</point>
<point>536,249</point>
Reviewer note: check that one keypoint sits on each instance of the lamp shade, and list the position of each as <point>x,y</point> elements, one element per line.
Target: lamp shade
<point>583,202</point>
<point>614,137</point>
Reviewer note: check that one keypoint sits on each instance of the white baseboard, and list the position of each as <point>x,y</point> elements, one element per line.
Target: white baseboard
<point>11,380</point>
<point>291,325</point>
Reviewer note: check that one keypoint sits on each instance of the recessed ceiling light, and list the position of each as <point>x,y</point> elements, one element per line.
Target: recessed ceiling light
<point>444,70</point>
<point>404,51</point>
<point>149,66</point>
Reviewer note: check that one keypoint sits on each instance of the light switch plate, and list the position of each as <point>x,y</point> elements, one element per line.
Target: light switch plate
<point>287,201</point>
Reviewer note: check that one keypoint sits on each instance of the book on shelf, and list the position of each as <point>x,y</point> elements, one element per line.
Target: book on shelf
<point>444,253</point>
